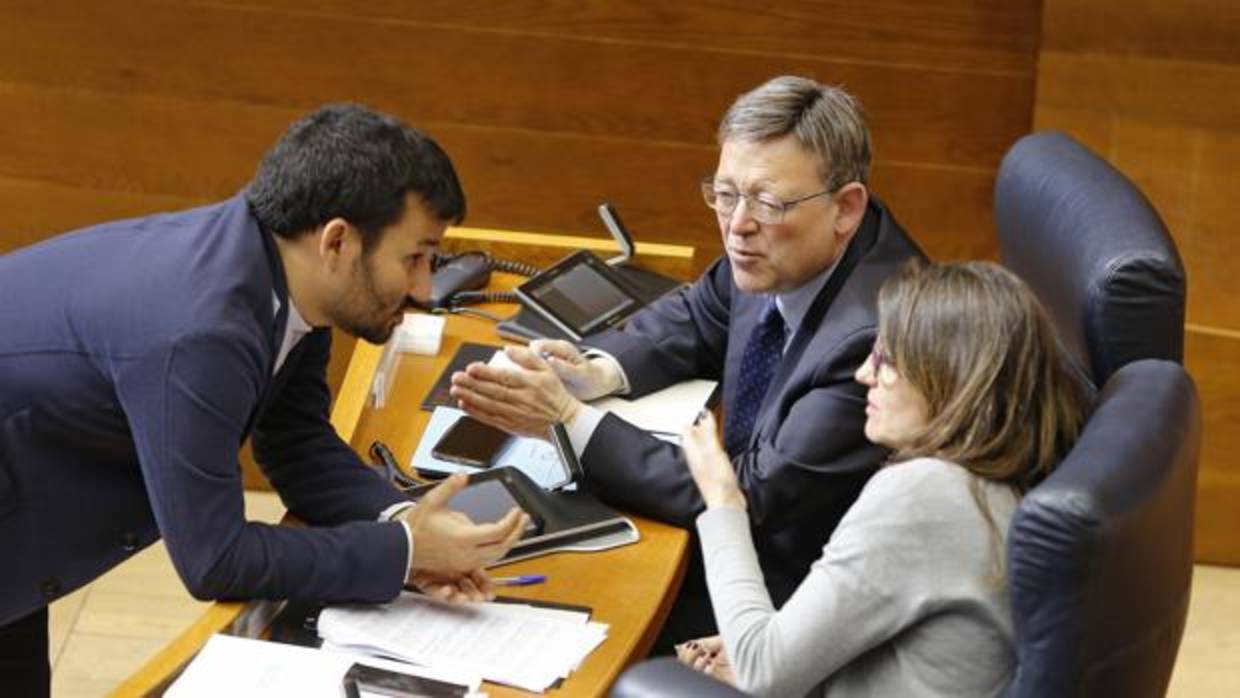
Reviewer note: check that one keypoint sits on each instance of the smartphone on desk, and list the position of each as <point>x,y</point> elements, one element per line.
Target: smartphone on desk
<point>470,442</point>
<point>362,681</point>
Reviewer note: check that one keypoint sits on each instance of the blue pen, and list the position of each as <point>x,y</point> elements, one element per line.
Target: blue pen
<point>520,580</point>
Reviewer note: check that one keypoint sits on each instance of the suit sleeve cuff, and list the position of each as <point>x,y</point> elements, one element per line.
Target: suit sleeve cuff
<point>390,514</point>
<point>600,355</point>
<point>582,428</point>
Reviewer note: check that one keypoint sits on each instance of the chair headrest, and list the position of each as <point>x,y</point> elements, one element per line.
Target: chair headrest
<point>1094,250</point>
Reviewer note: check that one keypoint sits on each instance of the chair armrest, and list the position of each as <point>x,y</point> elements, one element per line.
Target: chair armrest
<point>667,677</point>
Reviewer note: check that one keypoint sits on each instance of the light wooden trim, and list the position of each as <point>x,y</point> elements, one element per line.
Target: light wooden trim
<point>355,389</point>
<point>158,671</point>
<point>1212,331</point>
<point>575,242</point>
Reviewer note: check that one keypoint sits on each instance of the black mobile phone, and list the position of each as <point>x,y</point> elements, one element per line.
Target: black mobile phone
<point>362,680</point>
<point>470,442</point>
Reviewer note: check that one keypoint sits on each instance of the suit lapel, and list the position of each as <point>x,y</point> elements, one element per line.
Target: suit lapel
<point>276,336</point>
<point>861,244</point>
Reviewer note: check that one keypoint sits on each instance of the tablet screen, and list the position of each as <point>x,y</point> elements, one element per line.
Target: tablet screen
<point>487,502</point>
<point>583,297</point>
<point>580,294</point>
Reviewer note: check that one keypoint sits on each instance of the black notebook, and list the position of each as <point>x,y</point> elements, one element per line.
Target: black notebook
<point>465,355</point>
<point>562,520</point>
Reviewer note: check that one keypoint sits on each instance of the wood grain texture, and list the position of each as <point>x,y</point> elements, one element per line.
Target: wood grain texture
<point>652,184</point>
<point>958,34</point>
<point>1214,362</point>
<point>1154,89</point>
<point>443,74</point>
<point>1195,30</point>
<point>1214,249</point>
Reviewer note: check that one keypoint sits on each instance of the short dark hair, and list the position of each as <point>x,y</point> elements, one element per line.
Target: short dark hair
<point>351,162</point>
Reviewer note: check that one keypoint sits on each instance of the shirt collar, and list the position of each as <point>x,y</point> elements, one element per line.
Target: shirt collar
<point>296,323</point>
<point>794,304</point>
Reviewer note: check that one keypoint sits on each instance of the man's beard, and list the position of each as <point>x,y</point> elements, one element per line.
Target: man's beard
<point>364,314</point>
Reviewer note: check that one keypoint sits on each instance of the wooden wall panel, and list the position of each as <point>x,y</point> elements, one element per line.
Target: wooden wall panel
<point>1202,31</point>
<point>619,80</point>
<point>653,184</point>
<point>547,107</point>
<point>1214,360</point>
<point>500,79</point>
<point>957,35</point>
<point>1155,88</point>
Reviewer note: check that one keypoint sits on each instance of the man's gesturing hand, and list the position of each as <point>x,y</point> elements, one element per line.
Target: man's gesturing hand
<point>447,542</point>
<point>524,398</point>
<point>585,379</point>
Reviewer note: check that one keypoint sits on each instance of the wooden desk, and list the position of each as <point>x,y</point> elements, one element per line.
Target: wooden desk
<point>630,588</point>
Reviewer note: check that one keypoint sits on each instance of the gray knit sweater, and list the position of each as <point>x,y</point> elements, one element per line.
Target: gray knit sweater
<point>906,599</point>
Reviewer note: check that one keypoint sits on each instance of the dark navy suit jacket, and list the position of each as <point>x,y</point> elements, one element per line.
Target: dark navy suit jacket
<point>135,358</point>
<point>808,456</point>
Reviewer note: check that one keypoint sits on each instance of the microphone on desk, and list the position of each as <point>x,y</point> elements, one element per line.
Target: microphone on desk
<point>381,453</point>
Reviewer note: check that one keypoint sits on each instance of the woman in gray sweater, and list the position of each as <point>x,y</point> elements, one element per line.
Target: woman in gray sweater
<point>909,597</point>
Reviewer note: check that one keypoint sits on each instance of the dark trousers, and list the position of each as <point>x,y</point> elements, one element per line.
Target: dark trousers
<point>24,667</point>
<point>691,616</point>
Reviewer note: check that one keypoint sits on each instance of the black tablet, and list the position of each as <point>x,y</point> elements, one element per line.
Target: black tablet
<point>488,496</point>
<point>580,294</point>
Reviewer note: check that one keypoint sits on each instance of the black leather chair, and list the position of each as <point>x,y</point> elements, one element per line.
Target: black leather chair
<point>1100,554</point>
<point>1094,250</point>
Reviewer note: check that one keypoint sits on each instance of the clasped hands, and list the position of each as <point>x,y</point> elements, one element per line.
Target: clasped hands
<point>545,385</point>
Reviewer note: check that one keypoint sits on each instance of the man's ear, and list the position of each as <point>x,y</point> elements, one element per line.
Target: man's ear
<point>339,242</point>
<point>851,199</point>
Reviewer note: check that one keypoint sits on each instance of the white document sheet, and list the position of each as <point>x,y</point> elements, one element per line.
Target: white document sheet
<point>667,411</point>
<point>239,667</point>
<point>506,643</point>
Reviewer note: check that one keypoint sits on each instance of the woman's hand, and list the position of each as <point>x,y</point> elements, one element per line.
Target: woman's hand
<point>709,465</point>
<point>708,656</point>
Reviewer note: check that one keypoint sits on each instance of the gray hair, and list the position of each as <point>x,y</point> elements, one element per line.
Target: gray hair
<point>826,120</point>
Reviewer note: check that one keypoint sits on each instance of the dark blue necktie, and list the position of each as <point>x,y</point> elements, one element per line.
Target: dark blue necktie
<point>758,363</point>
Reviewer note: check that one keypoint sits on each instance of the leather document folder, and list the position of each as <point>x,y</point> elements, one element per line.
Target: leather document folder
<point>563,520</point>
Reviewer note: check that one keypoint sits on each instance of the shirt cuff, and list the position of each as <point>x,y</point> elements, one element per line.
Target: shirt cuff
<point>390,514</point>
<point>582,428</point>
<point>600,355</point>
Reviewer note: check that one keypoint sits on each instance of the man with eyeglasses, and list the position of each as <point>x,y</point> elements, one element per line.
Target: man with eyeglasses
<point>784,318</point>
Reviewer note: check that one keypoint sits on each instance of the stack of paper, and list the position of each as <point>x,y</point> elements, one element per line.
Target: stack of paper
<point>242,668</point>
<point>523,646</point>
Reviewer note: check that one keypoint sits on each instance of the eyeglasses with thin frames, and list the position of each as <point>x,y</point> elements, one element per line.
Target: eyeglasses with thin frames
<point>880,359</point>
<point>765,208</point>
